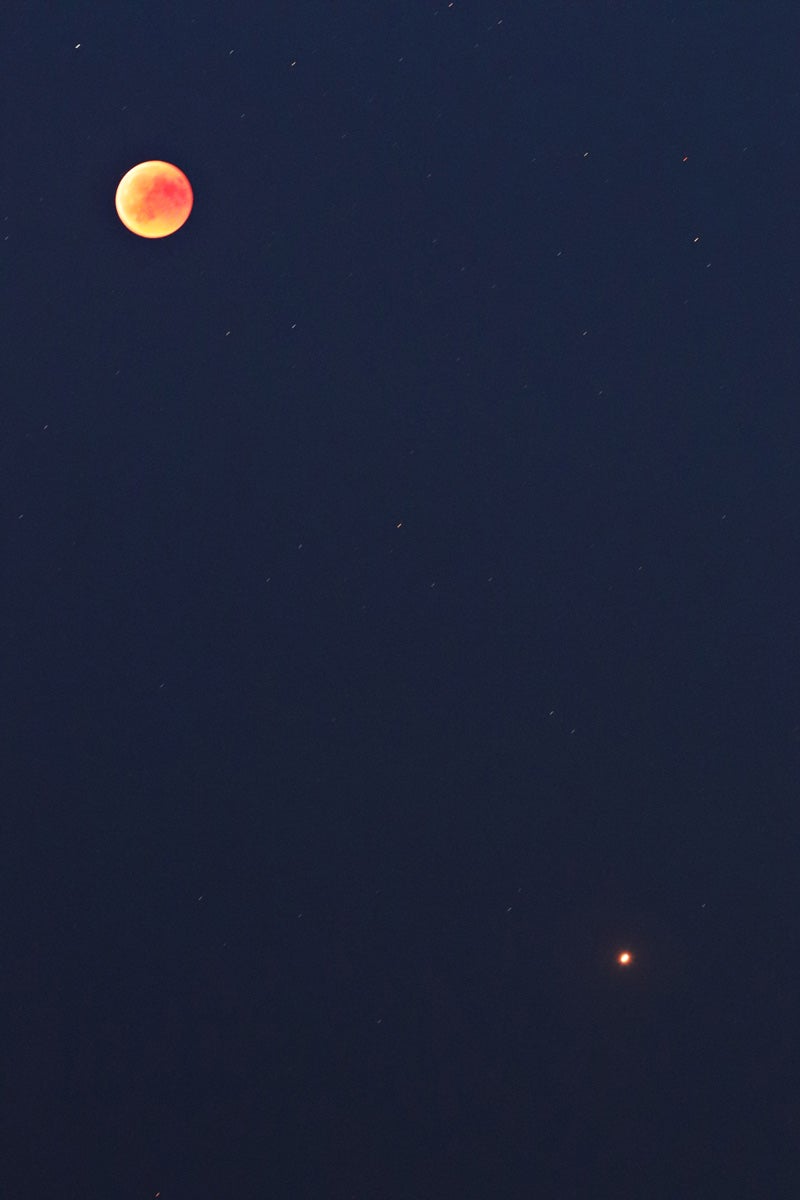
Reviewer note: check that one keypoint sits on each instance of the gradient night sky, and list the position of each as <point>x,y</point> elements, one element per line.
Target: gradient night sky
<point>400,602</point>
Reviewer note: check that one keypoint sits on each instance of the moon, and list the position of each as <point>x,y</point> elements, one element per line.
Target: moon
<point>154,199</point>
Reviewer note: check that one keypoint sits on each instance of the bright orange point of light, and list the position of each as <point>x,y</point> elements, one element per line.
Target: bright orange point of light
<point>624,958</point>
<point>154,199</point>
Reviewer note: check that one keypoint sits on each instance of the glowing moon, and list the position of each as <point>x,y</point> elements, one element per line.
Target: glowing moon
<point>154,199</point>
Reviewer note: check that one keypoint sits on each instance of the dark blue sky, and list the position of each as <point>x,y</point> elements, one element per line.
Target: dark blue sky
<point>400,602</point>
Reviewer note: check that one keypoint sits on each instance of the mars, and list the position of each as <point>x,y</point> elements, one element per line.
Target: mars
<point>154,199</point>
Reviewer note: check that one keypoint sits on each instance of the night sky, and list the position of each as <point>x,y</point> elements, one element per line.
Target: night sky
<point>399,609</point>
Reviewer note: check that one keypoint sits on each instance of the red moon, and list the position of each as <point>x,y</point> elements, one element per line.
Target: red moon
<point>154,199</point>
